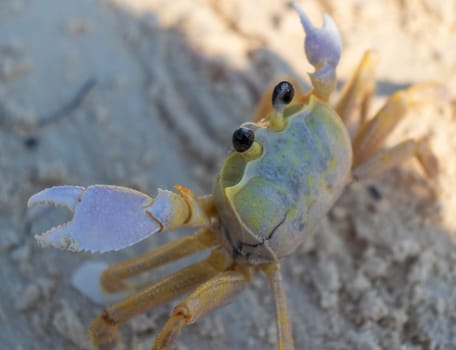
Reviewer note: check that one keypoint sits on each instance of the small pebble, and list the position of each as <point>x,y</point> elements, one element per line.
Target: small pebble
<point>360,283</point>
<point>374,267</point>
<point>372,307</point>
<point>329,300</point>
<point>374,192</point>
<point>31,142</point>
<point>405,249</point>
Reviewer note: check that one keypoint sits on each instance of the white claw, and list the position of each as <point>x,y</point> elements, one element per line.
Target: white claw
<point>86,280</point>
<point>65,196</point>
<point>105,218</point>
<point>323,47</point>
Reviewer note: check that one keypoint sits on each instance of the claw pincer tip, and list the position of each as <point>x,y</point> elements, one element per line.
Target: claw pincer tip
<point>323,47</point>
<point>105,218</point>
<point>66,196</point>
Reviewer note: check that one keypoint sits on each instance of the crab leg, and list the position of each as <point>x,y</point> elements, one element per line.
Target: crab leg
<point>357,93</point>
<point>372,135</point>
<point>111,217</point>
<point>104,329</point>
<point>284,331</point>
<point>387,159</point>
<point>215,293</point>
<point>113,278</point>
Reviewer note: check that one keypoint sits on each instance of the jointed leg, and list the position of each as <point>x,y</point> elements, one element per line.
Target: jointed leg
<point>284,331</point>
<point>103,329</point>
<point>110,218</point>
<point>113,278</point>
<point>371,136</point>
<point>354,101</point>
<point>387,159</point>
<point>215,293</point>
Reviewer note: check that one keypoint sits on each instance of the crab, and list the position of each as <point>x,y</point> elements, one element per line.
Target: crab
<point>287,168</point>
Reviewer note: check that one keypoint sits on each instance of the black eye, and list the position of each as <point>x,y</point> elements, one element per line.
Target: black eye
<point>283,94</point>
<point>242,139</point>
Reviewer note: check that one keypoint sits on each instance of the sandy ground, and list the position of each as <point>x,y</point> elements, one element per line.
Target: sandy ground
<point>146,94</point>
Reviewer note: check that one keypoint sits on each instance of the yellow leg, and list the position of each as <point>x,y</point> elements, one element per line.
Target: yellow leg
<point>387,159</point>
<point>372,135</point>
<point>113,278</point>
<point>284,331</point>
<point>215,293</point>
<point>354,101</point>
<point>104,329</point>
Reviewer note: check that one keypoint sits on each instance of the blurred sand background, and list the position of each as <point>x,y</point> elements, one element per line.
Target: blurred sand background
<point>146,94</point>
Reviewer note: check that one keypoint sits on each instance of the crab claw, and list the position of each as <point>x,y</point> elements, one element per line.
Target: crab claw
<point>86,280</point>
<point>107,217</point>
<point>323,47</point>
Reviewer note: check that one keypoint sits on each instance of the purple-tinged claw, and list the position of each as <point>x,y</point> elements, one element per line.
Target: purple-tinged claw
<point>105,217</point>
<point>65,196</point>
<point>323,47</point>
<point>86,280</point>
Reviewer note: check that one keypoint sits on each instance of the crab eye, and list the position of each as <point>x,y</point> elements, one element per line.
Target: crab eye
<point>282,95</point>
<point>243,139</point>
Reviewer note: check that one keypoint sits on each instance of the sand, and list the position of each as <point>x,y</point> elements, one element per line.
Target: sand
<point>146,94</point>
